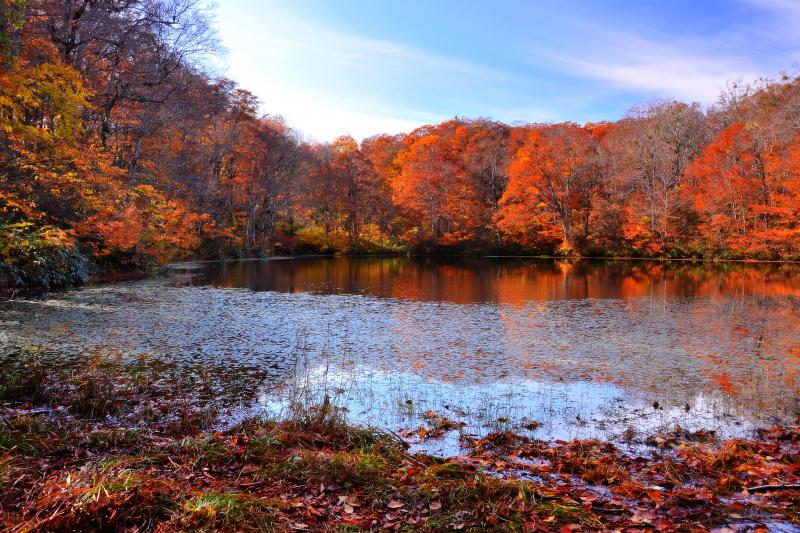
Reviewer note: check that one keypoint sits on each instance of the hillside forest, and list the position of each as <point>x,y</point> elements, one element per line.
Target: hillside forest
<point>122,148</point>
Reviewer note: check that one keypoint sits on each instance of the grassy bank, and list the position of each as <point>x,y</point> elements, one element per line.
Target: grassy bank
<point>72,475</point>
<point>106,450</point>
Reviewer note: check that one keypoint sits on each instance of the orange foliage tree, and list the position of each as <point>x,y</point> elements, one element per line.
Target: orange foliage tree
<point>554,180</point>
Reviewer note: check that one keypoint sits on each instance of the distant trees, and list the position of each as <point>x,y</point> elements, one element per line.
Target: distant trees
<point>117,144</point>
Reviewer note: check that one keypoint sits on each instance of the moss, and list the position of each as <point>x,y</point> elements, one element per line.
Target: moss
<point>448,471</point>
<point>225,510</point>
<point>566,513</point>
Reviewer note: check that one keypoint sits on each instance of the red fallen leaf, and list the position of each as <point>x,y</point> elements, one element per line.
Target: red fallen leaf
<point>492,520</point>
<point>655,495</point>
<point>394,504</point>
<point>435,506</point>
<point>529,526</point>
<point>664,525</point>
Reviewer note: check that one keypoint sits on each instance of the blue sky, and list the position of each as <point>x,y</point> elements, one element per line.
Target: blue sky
<point>334,67</point>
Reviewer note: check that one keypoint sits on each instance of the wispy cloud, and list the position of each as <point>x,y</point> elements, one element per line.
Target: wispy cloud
<point>776,31</point>
<point>632,62</point>
<point>666,57</point>
<point>328,83</point>
<point>695,69</point>
<point>784,6</point>
<point>316,43</point>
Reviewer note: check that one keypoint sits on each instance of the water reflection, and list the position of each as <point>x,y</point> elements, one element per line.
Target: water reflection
<point>504,281</point>
<point>586,347</point>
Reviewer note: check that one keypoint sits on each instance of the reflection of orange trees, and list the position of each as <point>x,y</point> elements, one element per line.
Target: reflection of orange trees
<point>766,374</point>
<point>516,282</point>
<point>609,335</point>
<point>723,381</point>
<point>632,280</point>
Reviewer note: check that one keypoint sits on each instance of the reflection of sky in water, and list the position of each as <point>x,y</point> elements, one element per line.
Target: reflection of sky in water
<point>563,410</point>
<point>584,350</point>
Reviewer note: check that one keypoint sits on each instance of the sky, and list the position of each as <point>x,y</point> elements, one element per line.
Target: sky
<point>363,67</point>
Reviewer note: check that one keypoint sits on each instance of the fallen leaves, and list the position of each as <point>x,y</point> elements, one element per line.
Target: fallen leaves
<point>322,481</point>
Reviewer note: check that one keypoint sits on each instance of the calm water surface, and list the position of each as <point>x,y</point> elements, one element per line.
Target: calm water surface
<point>586,349</point>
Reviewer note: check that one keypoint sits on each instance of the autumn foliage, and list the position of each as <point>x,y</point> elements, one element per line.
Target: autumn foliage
<point>119,148</point>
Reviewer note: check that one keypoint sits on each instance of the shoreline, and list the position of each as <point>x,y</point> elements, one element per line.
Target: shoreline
<point>95,451</point>
<point>319,474</point>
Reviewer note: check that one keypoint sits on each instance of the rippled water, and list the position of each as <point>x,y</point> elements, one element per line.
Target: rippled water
<point>586,349</point>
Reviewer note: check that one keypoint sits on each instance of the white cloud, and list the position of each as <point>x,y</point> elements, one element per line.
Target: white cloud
<point>640,58</point>
<point>695,70</point>
<point>322,119</point>
<point>326,83</point>
<point>664,69</point>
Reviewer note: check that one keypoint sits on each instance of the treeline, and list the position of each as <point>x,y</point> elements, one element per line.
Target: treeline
<point>120,148</point>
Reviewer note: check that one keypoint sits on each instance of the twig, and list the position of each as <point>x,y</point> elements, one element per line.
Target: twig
<point>768,488</point>
<point>392,435</point>
<point>403,444</point>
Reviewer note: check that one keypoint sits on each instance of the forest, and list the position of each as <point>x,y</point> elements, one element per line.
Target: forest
<point>122,148</point>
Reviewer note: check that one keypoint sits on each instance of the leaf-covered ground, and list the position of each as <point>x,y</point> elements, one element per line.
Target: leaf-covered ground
<point>72,475</point>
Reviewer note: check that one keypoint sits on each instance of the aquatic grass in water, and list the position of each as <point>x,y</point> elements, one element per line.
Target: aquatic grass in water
<point>415,408</point>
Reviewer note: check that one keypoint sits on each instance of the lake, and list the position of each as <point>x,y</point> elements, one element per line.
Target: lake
<point>559,349</point>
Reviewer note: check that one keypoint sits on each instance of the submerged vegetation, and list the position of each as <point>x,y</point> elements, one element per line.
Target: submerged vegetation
<point>103,452</point>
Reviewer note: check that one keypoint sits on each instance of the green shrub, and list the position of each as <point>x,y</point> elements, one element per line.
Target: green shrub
<point>39,258</point>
